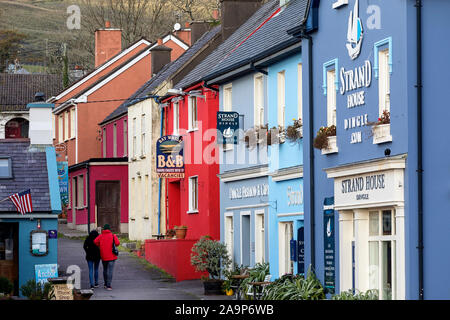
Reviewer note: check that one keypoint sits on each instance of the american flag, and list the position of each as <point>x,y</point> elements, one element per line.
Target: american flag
<point>22,201</point>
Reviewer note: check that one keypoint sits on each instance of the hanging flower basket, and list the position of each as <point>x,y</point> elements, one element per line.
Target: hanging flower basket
<point>321,140</point>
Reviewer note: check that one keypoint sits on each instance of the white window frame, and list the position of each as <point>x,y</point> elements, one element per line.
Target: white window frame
<point>331,97</point>
<point>134,138</point>
<point>80,191</point>
<point>258,99</point>
<point>281,98</point>
<point>228,106</point>
<point>192,113</point>
<point>60,128</point>
<point>193,191</point>
<point>72,123</point>
<point>176,118</point>
<point>260,236</point>
<point>384,90</point>
<point>300,91</point>
<point>284,257</point>
<point>66,125</point>
<point>229,234</point>
<point>143,135</point>
<point>125,138</point>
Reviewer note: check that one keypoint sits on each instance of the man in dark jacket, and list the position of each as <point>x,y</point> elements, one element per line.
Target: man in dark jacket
<point>105,243</point>
<point>92,257</point>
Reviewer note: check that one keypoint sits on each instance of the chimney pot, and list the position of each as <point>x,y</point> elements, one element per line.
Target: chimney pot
<point>160,42</point>
<point>107,24</point>
<point>39,96</point>
<point>215,14</point>
<point>186,25</point>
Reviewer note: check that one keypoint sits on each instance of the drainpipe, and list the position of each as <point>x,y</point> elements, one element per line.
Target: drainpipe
<point>311,148</point>
<point>418,6</point>
<point>159,182</point>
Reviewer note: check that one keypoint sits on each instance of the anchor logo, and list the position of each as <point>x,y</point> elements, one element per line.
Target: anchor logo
<point>355,32</point>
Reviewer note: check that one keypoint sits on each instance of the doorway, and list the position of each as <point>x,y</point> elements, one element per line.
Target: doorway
<point>16,128</point>
<point>245,238</point>
<point>107,201</point>
<point>9,257</point>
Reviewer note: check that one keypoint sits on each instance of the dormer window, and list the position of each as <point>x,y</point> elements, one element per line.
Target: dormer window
<point>5,168</point>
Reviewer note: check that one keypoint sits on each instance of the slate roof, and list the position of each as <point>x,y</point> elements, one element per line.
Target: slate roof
<point>17,90</point>
<point>269,38</point>
<point>164,74</point>
<point>29,171</point>
<point>229,44</point>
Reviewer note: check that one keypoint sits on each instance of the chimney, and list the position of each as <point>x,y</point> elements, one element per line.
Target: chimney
<point>184,34</point>
<point>160,57</point>
<point>108,43</point>
<point>234,13</point>
<point>40,131</point>
<point>199,28</point>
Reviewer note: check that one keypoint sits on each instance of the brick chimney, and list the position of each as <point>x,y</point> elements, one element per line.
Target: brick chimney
<point>108,43</point>
<point>184,34</point>
<point>234,13</point>
<point>199,28</point>
<point>160,57</point>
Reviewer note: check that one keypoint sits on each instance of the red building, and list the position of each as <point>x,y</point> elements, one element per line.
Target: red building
<point>97,154</point>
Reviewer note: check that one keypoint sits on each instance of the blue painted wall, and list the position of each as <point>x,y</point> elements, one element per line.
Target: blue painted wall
<point>282,156</point>
<point>398,21</point>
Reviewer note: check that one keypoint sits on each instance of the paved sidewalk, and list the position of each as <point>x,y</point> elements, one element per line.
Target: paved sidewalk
<point>133,279</point>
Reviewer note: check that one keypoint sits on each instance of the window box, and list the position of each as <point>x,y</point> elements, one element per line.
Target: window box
<point>294,132</point>
<point>332,146</point>
<point>381,133</point>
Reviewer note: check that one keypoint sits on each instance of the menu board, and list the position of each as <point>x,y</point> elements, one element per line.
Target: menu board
<point>39,243</point>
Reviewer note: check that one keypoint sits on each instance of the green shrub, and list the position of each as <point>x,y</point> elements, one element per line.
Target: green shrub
<point>211,256</point>
<point>6,286</point>
<point>256,274</point>
<point>348,295</point>
<point>228,273</point>
<point>297,287</point>
<point>37,291</point>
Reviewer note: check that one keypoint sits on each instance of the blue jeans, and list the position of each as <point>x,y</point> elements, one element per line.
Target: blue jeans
<point>108,269</point>
<point>93,272</point>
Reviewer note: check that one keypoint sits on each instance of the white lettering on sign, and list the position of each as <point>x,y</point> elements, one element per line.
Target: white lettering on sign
<point>357,78</point>
<point>249,192</point>
<point>295,198</point>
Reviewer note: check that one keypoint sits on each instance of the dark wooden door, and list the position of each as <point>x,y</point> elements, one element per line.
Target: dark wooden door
<point>9,257</point>
<point>107,200</point>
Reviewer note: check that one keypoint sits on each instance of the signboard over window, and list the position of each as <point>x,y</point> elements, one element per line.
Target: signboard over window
<point>227,126</point>
<point>169,157</point>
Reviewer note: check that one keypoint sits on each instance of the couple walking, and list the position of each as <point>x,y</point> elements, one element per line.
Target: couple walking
<point>100,247</point>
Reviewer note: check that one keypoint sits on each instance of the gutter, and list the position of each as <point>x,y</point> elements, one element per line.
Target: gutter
<point>161,132</point>
<point>419,86</point>
<point>88,202</point>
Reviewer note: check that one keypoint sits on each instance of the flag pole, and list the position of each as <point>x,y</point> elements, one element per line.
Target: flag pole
<point>7,198</point>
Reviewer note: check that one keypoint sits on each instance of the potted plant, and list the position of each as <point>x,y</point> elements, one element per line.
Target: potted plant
<point>6,287</point>
<point>321,141</point>
<point>38,291</point>
<point>180,232</point>
<point>294,132</point>
<point>381,130</point>
<point>275,135</point>
<point>211,256</point>
<point>170,234</point>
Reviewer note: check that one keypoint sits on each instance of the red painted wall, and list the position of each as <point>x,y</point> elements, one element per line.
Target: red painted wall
<point>99,172</point>
<point>207,220</point>
<point>120,122</point>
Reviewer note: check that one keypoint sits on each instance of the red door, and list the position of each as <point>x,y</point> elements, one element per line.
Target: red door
<point>12,129</point>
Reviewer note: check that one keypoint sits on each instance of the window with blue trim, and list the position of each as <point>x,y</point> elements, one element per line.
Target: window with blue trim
<point>330,87</point>
<point>383,71</point>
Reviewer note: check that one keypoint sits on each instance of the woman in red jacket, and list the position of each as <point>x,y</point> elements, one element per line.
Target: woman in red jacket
<point>105,243</point>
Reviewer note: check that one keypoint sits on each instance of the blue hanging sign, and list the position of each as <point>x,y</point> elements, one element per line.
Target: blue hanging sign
<point>45,271</point>
<point>329,245</point>
<point>169,157</point>
<point>301,250</point>
<point>293,250</point>
<point>227,126</point>
<point>63,178</point>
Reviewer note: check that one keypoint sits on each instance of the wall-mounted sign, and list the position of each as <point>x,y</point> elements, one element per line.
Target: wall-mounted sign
<point>355,32</point>
<point>45,271</point>
<point>295,197</point>
<point>249,192</point>
<point>63,178</point>
<point>169,157</point>
<point>227,126</point>
<point>329,245</point>
<point>301,250</point>
<point>53,234</point>
<point>39,242</point>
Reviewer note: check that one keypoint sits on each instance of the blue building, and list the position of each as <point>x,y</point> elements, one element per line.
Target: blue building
<point>28,240</point>
<point>261,186</point>
<point>376,167</point>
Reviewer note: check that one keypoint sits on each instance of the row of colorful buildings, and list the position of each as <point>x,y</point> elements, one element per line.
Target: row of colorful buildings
<point>336,163</point>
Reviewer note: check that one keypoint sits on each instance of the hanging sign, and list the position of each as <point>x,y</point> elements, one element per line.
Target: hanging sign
<point>63,178</point>
<point>169,157</point>
<point>329,245</point>
<point>45,271</point>
<point>301,250</point>
<point>227,126</point>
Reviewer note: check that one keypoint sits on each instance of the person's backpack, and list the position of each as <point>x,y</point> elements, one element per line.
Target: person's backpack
<point>114,248</point>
